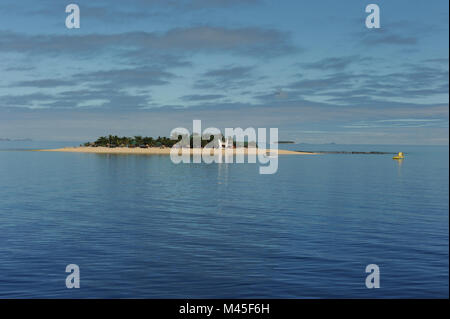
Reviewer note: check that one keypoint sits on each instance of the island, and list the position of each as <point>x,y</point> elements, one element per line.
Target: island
<point>163,146</point>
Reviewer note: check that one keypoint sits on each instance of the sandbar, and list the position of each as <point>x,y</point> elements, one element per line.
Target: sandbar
<point>166,151</point>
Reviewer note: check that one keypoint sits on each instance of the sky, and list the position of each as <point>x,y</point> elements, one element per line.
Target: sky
<point>144,67</point>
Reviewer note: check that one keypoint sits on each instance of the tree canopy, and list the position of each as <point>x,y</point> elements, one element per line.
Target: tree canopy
<point>144,141</point>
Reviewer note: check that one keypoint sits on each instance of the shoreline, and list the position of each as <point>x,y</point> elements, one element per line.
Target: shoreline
<point>164,151</point>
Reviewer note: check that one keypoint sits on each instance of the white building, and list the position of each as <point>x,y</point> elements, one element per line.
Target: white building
<point>227,144</point>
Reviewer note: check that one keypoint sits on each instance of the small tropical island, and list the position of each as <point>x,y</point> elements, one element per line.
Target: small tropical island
<point>113,144</point>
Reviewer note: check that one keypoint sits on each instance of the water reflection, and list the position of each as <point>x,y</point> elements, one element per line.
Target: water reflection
<point>399,163</point>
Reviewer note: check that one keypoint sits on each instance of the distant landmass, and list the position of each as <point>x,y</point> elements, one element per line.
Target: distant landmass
<point>292,142</point>
<point>331,143</point>
<point>15,139</point>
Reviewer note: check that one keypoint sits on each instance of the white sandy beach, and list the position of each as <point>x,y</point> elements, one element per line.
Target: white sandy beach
<point>165,151</point>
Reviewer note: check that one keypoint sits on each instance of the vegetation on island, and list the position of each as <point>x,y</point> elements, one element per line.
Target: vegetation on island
<point>136,141</point>
<point>145,142</point>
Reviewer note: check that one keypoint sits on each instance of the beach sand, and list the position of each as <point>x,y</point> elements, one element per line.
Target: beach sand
<point>164,151</point>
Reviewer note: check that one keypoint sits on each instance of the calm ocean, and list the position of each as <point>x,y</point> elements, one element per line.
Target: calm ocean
<point>141,226</point>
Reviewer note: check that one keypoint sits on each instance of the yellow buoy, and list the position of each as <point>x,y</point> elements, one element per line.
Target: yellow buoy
<point>399,156</point>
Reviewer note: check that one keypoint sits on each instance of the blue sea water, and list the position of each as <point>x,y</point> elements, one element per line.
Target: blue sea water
<point>142,227</point>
